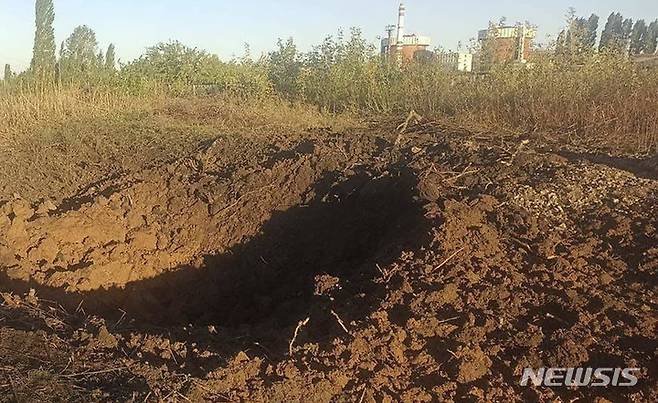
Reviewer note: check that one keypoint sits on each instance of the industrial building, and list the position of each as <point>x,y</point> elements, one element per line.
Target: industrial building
<point>402,46</point>
<point>456,61</point>
<point>508,43</point>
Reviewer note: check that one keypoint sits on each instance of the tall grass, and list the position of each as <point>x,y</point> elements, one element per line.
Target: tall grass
<point>607,100</point>
<point>54,142</point>
<point>604,100</point>
<point>23,110</point>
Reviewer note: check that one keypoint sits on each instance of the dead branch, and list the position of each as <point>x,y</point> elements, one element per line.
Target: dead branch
<point>363,395</point>
<point>448,320</point>
<point>412,116</point>
<point>340,322</point>
<point>403,127</point>
<point>301,324</point>
<point>463,173</point>
<point>516,153</point>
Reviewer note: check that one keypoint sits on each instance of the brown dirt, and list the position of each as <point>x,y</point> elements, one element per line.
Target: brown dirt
<point>431,266</point>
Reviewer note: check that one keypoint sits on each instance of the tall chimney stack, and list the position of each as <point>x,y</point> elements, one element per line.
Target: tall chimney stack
<point>401,16</point>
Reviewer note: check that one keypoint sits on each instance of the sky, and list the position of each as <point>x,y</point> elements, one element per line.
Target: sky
<point>223,27</point>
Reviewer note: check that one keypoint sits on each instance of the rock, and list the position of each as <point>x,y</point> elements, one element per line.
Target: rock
<point>47,251</point>
<point>605,278</point>
<point>7,257</point>
<point>474,365</point>
<point>105,339</point>
<point>46,207</point>
<point>22,209</point>
<point>447,295</point>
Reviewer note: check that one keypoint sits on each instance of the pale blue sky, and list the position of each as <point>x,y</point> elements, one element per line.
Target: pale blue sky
<point>223,27</point>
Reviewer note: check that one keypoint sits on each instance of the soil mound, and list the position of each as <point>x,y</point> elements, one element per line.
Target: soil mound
<point>371,266</point>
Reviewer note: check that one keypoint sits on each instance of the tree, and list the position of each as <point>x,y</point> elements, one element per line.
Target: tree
<point>612,35</point>
<point>638,38</point>
<point>626,29</point>
<point>651,38</point>
<point>43,56</point>
<point>174,63</point>
<point>488,52</point>
<point>284,69</point>
<point>560,43</point>
<point>78,53</point>
<point>580,35</point>
<point>8,74</point>
<point>592,28</point>
<point>110,58</point>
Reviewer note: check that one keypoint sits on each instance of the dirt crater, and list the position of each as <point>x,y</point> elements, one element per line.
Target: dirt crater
<point>159,254</point>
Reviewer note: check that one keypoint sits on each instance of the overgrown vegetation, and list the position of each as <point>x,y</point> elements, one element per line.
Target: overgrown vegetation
<point>593,92</point>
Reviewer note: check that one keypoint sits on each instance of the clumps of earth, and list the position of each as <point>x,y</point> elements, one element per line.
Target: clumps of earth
<point>364,266</point>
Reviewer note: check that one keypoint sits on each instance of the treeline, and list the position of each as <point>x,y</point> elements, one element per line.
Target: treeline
<point>79,59</point>
<point>340,68</point>
<point>591,87</point>
<point>620,35</point>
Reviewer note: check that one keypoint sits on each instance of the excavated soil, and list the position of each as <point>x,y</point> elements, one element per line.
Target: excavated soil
<point>367,266</point>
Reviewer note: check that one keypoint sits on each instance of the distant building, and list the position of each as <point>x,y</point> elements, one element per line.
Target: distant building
<point>403,46</point>
<point>508,43</point>
<point>456,61</point>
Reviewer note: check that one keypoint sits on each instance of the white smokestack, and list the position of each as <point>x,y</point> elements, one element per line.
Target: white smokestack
<point>401,16</point>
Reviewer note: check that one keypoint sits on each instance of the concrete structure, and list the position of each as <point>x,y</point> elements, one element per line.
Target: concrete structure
<point>403,46</point>
<point>456,61</point>
<point>508,43</point>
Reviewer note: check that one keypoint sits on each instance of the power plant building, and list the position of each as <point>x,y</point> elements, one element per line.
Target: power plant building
<point>401,45</point>
<point>456,61</point>
<point>508,43</point>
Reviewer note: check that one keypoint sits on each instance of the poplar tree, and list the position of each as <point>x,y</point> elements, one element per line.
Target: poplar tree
<point>580,35</point>
<point>43,57</point>
<point>626,29</point>
<point>110,57</point>
<point>651,38</point>
<point>79,56</point>
<point>592,27</point>
<point>8,73</point>
<point>611,36</point>
<point>638,38</point>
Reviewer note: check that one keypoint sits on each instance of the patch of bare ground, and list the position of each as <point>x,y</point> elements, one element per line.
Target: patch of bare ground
<point>363,266</point>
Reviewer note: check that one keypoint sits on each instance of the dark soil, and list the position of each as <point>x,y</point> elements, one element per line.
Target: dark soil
<point>423,266</point>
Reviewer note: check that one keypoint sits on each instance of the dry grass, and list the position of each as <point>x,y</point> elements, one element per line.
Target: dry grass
<point>23,111</point>
<point>607,103</point>
<point>56,143</point>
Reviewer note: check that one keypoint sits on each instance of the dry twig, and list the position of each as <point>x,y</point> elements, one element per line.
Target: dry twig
<point>363,395</point>
<point>301,324</point>
<point>340,322</point>
<point>445,262</point>
<point>239,199</point>
<point>105,371</point>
